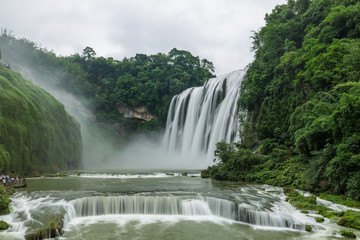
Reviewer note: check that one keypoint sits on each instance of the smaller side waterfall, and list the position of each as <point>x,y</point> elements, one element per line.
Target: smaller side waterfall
<point>178,205</point>
<point>200,117</point>
<point>267,219</point>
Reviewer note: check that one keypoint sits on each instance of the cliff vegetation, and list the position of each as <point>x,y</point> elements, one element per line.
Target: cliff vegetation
<point>106,85</point>
<point>36,133</point>
<point>301,96</point>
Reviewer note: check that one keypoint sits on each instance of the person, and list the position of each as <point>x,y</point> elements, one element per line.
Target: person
<point>7,178</point>
<point>17,180</point>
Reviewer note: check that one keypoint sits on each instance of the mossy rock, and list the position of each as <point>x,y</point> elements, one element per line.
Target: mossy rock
<point>334,219</point>
<point>4,225</point>
<point>303,203</point>
<point>340,199</point>
<point>350,219</point>
<point>288,190</point>
<point>308,228</point>
<point>331,214</point>
<point>319,219</point>
<point>347,233</point>
<point>4,201</point>
<point>52,226</point>
<point>312,199</point>
<point>54,230</point>
<point>205,174</point>
<point>39,235</point>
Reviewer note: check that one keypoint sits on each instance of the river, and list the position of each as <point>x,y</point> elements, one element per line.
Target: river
<point>158,205</point>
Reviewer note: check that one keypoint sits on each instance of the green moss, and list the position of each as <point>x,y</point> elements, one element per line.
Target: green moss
<point>4,225</point>
<point>308,228</point>
<point>302,202</point>
<point>52,226</point>
<point>330,214</point>
<point>340,199</point>
<point>347,233</point>
<point>4,201</point>
<point>350,219</point>
<point>36,133</point>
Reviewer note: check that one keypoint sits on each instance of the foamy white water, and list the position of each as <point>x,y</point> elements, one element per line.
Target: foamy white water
<point>126,176</point>
<point>176,207</point>
<point>200,117</point>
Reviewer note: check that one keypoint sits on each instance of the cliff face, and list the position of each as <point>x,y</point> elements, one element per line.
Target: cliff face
<point>36,133</point>
<point>140,113</point>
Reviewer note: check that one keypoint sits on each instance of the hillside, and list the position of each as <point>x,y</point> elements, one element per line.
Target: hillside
<point>301,98</point>
<point>112,88</point>
<point>36,133</point>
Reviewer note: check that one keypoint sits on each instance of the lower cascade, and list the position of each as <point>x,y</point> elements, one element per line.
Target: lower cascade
<point>200,117</point>
<point>177,205</point>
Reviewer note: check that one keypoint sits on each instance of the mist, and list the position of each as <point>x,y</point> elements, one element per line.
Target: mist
<point>101,149</point>
<point>98,146</point>
<point>147,153</point>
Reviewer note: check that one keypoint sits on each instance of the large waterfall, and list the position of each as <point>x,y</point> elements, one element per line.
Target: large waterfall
<point>200,117</point>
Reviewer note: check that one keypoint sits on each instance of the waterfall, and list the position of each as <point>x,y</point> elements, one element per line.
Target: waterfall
<point>200,117</point>
<point>178,205</point>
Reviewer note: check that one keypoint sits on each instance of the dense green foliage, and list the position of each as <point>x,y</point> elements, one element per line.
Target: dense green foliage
<point>302,96</point>
<point>105,84</point>
<point>36,134</point>
<point>4,201</point>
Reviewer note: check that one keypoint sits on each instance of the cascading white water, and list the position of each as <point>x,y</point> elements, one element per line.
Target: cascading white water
<point>157,205</point>
<point>177,205</point>
<point>200,117</point>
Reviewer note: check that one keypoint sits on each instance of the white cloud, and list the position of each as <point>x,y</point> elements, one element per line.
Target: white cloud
<point>218,30</point>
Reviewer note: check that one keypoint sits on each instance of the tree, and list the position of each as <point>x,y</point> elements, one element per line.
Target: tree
<point>89,53</point>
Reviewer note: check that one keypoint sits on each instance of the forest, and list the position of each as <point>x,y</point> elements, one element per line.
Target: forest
<point>301,102</point>
<point>105,84</point>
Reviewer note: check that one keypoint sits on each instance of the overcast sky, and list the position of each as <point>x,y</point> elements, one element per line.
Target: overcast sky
<point>218,30</point>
